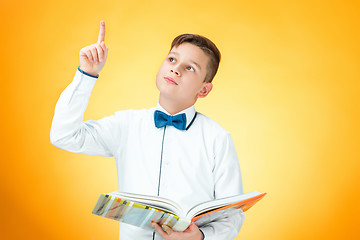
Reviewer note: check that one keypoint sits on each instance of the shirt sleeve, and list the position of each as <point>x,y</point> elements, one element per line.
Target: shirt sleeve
<point>70,132</point>
<point>228,182</point>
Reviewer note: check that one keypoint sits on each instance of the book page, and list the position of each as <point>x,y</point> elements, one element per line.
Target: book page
<point>217,215</point>
<point>152,201</point>
<point>135,214</point>
<point>218,203</point>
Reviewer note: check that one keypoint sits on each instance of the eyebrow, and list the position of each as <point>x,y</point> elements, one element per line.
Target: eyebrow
<point>195,63</point>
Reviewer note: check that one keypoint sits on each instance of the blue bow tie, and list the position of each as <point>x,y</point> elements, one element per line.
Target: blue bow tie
<point>162,119</point>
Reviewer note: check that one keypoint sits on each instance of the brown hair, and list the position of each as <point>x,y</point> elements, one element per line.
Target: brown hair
<point>207,46</point>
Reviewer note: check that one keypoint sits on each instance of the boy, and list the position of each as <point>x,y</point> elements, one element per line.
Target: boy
<point>169,150</point>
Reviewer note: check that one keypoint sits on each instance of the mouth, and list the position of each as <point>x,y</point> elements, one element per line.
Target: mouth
<point>170,80</point>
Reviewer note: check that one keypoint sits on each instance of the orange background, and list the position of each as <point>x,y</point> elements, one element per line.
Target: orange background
<point>287,90</point>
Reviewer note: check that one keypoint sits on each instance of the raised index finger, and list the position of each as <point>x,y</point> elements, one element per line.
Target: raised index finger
<point>102,32</point>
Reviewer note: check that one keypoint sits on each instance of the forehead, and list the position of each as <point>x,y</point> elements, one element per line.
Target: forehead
<point>190,52</point>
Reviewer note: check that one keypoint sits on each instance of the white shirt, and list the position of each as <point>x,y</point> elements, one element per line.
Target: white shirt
<point>187,166</point>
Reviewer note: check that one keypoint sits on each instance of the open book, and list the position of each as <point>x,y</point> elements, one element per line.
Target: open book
<point>141,210</point>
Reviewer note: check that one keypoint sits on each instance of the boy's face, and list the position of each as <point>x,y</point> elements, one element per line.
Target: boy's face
<point>181,76</point>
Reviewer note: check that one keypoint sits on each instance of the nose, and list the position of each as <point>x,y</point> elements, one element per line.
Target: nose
<point>176,72</point>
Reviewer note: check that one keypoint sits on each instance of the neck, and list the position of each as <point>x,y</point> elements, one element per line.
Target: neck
<point>173,107</point>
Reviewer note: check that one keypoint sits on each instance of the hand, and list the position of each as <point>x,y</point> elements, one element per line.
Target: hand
<point>191,233</point>
<point>93,57</point>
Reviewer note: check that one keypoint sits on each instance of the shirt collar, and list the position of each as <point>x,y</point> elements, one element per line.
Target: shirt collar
<point>190,113</point>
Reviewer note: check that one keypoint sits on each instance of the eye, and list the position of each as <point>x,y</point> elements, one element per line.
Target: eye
<point>171,59</point>
<point>190,68</point>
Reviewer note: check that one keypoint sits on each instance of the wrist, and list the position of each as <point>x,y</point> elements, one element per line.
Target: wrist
<point>202,235</point>
<point>91,74</point>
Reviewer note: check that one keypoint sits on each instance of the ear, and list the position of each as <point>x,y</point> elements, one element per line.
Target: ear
<point>205,90</point>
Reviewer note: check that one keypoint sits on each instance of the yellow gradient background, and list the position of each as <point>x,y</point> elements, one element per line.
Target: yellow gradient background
<point>287,90</point>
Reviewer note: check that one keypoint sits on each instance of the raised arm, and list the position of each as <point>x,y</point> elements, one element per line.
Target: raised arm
<point>68,130</point>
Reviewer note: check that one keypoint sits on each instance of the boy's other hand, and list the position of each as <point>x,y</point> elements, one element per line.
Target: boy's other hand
<point>93,57</point>
<point>191,233</point>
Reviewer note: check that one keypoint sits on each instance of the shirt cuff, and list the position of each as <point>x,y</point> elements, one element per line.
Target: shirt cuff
<point>202,234</point>
<point>87,73</point>
<point>82,83</point>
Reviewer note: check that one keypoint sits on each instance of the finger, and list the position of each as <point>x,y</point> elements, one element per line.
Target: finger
<point>94,54</point>
<point>103,46</point>
<point>167,229</point>
<point>89,55</point>
<point>106,49</point>
<point>192,227</point>
<point>85,53</point>
<point>162,233</point>
<point>101,37</point>
<point>100,52</point>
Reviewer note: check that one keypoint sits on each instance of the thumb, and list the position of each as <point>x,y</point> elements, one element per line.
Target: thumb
<point>192,226</point>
